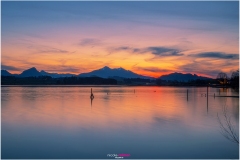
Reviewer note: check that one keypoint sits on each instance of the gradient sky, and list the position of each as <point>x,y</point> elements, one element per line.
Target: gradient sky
<point>148,38</point>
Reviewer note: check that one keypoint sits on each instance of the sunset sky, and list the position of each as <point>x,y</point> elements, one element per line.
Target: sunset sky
<point>148,38</point>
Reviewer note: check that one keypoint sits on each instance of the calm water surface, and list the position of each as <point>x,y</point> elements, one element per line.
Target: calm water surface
<point>154,122</point>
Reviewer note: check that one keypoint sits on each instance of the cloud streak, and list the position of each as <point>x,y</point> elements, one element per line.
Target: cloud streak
<point>220,55</point>
<point>152,69</point>
<point>53,50</point>
<point>46,49</point>
<point>89,42</point>
<point>163,51</point>
<point>155,50</point>
<point>9,68</point>
<point>64,69</point>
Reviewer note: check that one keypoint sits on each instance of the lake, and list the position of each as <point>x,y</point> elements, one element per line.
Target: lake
<point>136,122</point>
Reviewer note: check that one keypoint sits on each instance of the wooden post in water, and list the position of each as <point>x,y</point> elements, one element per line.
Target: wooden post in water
<point>219,91</point>
<point>214,95</point>
<point>207,98</point>
<point>91,96</point>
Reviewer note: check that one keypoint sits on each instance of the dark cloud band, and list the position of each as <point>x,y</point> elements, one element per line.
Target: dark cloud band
<point>155,50</point>
<point>221,55</point>
<point>9,68</point>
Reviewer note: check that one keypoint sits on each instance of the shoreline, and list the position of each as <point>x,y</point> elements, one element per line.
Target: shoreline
<point>92,85</point>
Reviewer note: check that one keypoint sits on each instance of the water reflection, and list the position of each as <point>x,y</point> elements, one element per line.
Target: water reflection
<point>91,101</point>
<point>138,121</point>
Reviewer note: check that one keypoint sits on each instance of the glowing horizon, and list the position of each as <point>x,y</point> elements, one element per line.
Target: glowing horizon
<point>148,38</point>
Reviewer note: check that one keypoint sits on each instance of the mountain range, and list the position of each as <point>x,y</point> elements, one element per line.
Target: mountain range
<point>5,73</point>
<point>105,72</point>
<point>56,75</point>
<point>182,77</point>
<point>33,72</point>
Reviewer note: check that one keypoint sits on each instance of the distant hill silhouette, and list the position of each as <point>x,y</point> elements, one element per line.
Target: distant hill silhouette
<point>107,72</point>
<point>5,73</point>
<point>56,75</point>
<point>182,77</point>
<point>31,72</point>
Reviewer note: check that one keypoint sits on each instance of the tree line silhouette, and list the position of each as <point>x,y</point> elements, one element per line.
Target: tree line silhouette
<point>222,80</point>
<point>47,80</point>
